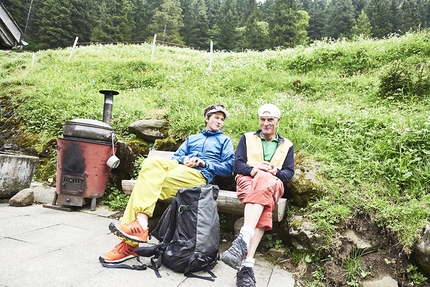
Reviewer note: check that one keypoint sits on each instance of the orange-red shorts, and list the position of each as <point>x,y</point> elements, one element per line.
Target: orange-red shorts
<point>265,189</point>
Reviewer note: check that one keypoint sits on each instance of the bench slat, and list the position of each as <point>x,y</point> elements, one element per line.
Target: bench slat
<point>227,201</point>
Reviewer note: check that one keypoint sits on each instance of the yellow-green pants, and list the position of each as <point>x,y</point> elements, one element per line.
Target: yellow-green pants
<point>159,178</point>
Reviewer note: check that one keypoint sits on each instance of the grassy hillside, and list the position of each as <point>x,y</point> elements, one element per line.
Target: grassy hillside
<point>358,108</point>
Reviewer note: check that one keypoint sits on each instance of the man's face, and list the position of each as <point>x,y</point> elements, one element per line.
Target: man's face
<point>268,125</point>
<point>215,121</point>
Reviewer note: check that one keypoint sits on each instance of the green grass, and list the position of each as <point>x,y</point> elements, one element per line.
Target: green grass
<point>358,108</point>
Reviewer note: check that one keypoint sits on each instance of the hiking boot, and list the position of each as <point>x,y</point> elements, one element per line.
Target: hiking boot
<point>245,277</point>
<point>234,256</point>
<point>132,231</point>
<point>121,252</point>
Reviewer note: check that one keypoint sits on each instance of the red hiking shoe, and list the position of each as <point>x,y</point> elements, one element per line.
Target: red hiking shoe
<point>132,231</point>
<point>121,252</point>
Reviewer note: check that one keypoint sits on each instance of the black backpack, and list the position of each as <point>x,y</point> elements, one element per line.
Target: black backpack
<point>188,234</point>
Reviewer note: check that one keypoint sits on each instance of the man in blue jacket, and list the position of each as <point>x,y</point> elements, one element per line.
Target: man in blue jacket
<point>197,161</point>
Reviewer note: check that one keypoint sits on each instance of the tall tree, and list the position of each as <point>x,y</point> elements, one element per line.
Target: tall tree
<point>83,19</point>
<point>424,10</point>
<point>225,35</point>
<point>410,20</point>
<point>143,14</point>
<point>362,27</point>
<point>213,7</point>
<point>380,16</point>
<point>359,6</point>
<point>287,23</point>
<point>317,20</point>
<point>340,18</point>
<point>244,9</point>
<point>256,34</point>
<point>115,22</point>
<point>197,32</point>
<point>53,25</point>
<point>167,22</point>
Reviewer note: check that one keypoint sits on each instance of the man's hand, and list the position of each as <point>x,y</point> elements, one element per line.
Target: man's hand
<point>193,162</point>
<point>264,166</point>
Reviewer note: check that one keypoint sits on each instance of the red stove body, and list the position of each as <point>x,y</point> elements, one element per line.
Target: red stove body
<point>82,172</point>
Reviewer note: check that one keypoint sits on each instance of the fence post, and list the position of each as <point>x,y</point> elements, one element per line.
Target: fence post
<point>153,46</point>
<point>73,49</point>
<point>211,56</point>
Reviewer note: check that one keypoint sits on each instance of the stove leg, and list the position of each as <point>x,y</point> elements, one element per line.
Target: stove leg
<point>54,201</point>
<point>93,203</point>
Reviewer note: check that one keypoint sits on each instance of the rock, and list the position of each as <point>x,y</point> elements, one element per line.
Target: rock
<point>303,186</point>
<point>302,234</point>
<point>421,251</point>
<point>386,281</point>
<point>23,198</point>
<point>149,130</point>
<point>238,225</point>
<point>277,253</point>
<point>360,243</point>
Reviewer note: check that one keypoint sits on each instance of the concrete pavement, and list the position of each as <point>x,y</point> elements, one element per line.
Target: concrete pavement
<point>48,247</point>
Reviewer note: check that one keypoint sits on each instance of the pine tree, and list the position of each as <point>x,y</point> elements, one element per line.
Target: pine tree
<point>380,16</point>
<point>359,6</point>
<point>167,22</point>
<point>410,20</point>
<point>115,22</point>
<point>317,19</point>
<point>362,27</point>
<point>424,11</point>
<point>244,9</point>
<point>340,18</point>
<point>53,25</point>
<point>82,19</point>
<point>225,34</point>
<point>256,34</point>
<point>197,31</point>
<point>143,14</point>
<point>287,23</point>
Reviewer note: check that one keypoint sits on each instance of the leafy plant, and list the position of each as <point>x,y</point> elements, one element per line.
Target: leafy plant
<point>271,241</point>
<point>115,199</point>
<point>354,269</point>
<point>418,278</point>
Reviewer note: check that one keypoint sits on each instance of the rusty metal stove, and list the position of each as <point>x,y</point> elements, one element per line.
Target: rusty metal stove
<point>83,153</point>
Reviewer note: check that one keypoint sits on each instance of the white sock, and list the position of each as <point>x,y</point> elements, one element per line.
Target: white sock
<point>142,221</point>
<point>248,262</point>
<point>247,234</point>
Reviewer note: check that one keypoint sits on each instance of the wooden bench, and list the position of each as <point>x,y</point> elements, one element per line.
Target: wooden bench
<point>227,200</point>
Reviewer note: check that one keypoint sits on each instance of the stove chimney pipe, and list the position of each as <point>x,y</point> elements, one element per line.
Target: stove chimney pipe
<point>108,102</point>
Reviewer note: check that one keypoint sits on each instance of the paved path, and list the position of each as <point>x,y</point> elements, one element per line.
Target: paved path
<point>47,247</point>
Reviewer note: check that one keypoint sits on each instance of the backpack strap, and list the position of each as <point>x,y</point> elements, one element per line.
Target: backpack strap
<point>166,239</point>
<point>125,266</point>
<point>172,223</point>
<point>206,268</point>
<point>209,278</point>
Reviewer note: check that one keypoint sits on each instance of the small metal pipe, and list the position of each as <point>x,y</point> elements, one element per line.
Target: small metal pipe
<point>108,102</point>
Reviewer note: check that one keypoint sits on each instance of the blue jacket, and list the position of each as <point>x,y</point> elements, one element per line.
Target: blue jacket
<point>214,148</point>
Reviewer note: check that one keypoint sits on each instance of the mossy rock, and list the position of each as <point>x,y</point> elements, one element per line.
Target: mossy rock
<point>167,144</point>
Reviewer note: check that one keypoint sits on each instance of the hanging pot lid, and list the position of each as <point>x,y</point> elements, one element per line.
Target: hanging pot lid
<point>89,129</point>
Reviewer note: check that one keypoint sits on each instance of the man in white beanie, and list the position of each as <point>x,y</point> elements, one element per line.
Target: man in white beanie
<point>264,162</point>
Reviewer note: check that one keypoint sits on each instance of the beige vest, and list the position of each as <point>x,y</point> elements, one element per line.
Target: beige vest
<point>255,153</point>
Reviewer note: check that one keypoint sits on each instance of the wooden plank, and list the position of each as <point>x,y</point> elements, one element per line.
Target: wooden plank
<point>162,153</point>
<point>227,202</point>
